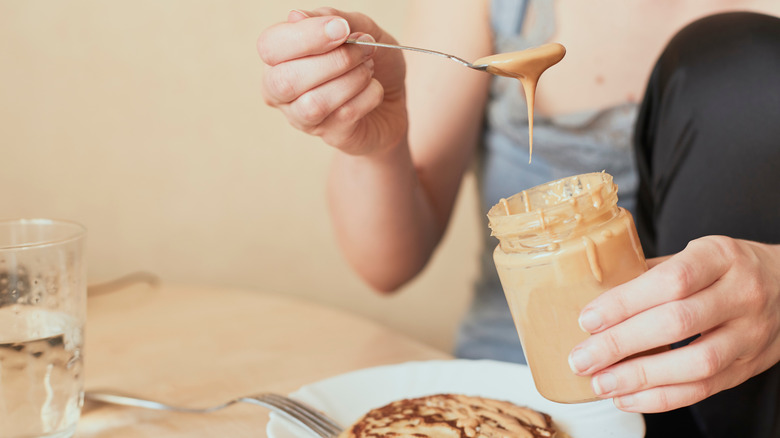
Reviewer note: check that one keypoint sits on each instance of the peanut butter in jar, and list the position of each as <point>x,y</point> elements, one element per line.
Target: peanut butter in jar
<point>561,244</point>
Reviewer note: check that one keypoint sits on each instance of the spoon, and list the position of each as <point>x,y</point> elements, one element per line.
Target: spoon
<point>480,67</point>
<point>525,65</point>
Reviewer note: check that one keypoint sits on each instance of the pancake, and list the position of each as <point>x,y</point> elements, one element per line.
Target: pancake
<point>452,416</point>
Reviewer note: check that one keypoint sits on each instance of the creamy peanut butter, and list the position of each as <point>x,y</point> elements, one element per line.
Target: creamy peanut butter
<point>561,244</point>
<point>526,66</point>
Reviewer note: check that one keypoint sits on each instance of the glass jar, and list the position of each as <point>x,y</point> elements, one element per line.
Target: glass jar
<point>561,244</point>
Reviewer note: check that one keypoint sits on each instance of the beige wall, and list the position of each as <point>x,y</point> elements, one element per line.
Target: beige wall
<point>144,121</point>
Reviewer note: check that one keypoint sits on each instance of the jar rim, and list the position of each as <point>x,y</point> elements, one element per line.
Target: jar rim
<point>563,201</point>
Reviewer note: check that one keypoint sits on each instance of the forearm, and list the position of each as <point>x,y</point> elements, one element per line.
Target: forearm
<point>384,219</point>
<point>391,206</point>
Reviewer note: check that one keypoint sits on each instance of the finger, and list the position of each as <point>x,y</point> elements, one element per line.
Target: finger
<point>702,359</point>
<point>342,129</point>
<point>666,398</point>
<point>662,399</point>
<point>696,267</point>
<point>288,81</point>
<point>314,106</point>
<point>661,325</point>
<point>313,36</point>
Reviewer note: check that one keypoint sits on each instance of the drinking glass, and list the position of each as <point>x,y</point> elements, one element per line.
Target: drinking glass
<point>42,315</point>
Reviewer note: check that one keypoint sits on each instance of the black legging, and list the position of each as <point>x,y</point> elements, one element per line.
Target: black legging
<point>708,153</point>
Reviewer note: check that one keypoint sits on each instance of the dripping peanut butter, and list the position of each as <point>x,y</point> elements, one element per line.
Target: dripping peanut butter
<point>526,66</point>
<point>561,244</point>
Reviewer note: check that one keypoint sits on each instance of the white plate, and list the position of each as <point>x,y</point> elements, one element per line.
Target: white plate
<point>349,396</point>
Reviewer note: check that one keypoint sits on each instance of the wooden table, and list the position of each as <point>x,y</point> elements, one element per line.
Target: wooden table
<point>197,346</point>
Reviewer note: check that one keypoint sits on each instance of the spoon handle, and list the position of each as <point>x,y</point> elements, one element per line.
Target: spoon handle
<point>414,49</point>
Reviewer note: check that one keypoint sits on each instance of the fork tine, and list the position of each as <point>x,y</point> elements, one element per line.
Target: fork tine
<point>300,413</point>
<point>297,412</point>
<point>292,416</point>
<point>309,411</point>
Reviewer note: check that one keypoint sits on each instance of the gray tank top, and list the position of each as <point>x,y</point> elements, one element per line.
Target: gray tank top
<point>563,146</point>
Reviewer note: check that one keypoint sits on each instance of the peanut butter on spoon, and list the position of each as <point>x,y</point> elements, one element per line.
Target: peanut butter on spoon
<point>526,66</point>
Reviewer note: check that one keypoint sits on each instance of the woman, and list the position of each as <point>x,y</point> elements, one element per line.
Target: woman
<point>406,141</point>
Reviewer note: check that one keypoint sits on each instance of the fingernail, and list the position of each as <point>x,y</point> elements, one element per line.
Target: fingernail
<point>337,29</point>
<point>625,401</point>
<point>296,13</point>
<point>590,321</point>
<point>604,383</point>
<point>367,50</point>
<point>580,360</point>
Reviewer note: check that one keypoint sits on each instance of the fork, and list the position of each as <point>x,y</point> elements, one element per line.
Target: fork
<point>295,411</point>
<point>461,61</point>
